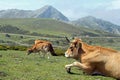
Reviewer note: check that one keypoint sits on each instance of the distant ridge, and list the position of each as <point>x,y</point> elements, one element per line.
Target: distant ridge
<point>97,24</point>
<point>44,12</point>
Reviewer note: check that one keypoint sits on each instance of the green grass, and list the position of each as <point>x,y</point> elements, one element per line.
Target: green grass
<point>16,65</point>
<point>51,27</point>
<point>42,26</point>
<point>113,42</point>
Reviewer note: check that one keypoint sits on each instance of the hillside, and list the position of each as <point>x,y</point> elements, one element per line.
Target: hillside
<point>97,24</point>
<point>49,26</point>
<point>25,31</point>
<point>41,26</point>
<point>44,12</point>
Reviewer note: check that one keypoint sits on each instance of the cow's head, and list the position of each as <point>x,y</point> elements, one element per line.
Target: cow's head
<point>74,49</point>
<point>29,51</point>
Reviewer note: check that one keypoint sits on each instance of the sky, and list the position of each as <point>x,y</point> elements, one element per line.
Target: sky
<point>73,9</point>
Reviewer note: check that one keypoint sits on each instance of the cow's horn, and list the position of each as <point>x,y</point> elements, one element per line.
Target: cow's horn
<point>67,39</point>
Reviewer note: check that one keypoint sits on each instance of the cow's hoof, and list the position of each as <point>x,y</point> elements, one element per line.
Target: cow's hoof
<point>68,69</point>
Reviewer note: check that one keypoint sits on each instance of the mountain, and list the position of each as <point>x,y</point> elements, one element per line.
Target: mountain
<point>44,12</point>
<point>49,12</point>
<point>112,15</point>
<point>97,24</point>
<point>15,13</point>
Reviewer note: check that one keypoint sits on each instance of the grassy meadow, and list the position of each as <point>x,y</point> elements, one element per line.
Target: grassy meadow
<point>16,65</point>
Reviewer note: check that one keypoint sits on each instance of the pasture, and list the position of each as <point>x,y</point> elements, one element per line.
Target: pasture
<point>16,65</point>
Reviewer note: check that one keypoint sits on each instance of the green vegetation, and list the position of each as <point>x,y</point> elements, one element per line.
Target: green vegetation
<point>19,48</point>
<point>11,29</point>
<point>19,34</point>
<point>39,27</point>
<point>16,65</point>
<point>108,42</point>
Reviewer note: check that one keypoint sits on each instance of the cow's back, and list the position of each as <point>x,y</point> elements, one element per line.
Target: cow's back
<point>39,41</point>
<point>45,47</point>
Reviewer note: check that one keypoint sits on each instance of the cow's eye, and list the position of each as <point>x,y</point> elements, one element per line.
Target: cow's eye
<point>71,48</point>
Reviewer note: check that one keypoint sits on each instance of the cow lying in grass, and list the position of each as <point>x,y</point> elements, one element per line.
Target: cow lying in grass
<point>93,59</point>
<point>42,46</point>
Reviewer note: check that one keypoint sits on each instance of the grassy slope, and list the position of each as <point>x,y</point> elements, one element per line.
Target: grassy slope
<point>49,26</point>
<point>44,26</point>
<point>15,65</point>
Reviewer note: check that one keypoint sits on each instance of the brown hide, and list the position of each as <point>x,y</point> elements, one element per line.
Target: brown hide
<point>43,46</point>
<point>94,59</point>
<point>40,41</point>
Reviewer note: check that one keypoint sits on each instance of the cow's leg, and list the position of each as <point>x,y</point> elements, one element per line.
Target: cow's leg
<point>87,69</point>
<point>43,54</point>
<point>39,53</point>
<point>48,55</point>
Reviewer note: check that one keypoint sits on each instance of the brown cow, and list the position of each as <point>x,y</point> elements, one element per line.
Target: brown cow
<point>41,46</point>
<point>93,59</point>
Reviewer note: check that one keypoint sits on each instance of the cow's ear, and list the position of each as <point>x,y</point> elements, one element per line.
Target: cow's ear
<point>79,45</point>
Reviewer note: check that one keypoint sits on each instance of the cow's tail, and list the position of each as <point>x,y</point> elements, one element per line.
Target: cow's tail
<point>52,51</point>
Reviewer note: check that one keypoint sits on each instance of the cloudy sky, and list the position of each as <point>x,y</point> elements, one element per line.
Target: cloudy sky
<point>73,9</point>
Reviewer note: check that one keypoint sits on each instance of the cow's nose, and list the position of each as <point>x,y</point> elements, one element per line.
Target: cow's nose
<point>66,55</point>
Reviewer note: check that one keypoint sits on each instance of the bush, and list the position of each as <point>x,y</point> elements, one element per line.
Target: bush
<point>7,35</point>
<point>3,47</point>
<point>19,48</point>
<point>60,51</point>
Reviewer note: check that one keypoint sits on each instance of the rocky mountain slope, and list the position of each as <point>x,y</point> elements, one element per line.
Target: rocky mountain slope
<point>44,12</point>
<point>97,24</point>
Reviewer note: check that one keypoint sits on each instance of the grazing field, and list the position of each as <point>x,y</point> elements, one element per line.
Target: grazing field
<point>16,65</point>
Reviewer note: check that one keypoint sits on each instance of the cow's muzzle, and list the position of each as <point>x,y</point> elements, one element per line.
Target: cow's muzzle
<point>66,55</point>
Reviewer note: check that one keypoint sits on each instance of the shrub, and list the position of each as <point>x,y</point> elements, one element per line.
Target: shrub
<point>60,51</point>
<point>7,35</point>
<point>3,47</point>
<point>19,48</point>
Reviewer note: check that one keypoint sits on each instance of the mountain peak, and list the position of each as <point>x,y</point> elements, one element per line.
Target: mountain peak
<point>50,12</point>
<point>48,6</point>
<point>45,12</point>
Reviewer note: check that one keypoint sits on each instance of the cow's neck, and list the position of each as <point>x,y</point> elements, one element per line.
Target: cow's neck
<point>86,49</point>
